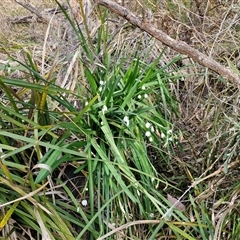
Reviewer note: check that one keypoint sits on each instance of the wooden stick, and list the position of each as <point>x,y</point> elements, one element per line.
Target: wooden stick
<point>32,9</point>
<point>30,18</point>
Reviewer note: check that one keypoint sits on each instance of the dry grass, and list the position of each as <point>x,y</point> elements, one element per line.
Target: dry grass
<point>18,36</point>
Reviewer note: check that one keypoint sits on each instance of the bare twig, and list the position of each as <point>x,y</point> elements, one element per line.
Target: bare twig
<point>32,9</point>
<point>178,46</point>
<point>24,19</point>
<point>30,18</point>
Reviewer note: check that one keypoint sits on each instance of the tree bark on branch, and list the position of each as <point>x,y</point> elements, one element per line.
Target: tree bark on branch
<point>179,46</point>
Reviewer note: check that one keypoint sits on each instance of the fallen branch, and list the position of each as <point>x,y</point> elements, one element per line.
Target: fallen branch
<point>32,9</point>
<point>31,18</point>
<point>25,19</point>
<point>179,46</point>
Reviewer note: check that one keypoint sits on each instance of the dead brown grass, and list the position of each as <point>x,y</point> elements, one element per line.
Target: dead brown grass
<point>14,37</point>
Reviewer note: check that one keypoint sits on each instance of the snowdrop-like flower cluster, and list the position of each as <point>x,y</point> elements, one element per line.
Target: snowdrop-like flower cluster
<point>148,125</point>
<point>162,135</point>
<point>126,120</point>
<point>151,215</point>
<point>149,131</point>
<point>84,202</point>
<point>148,134</point>
<point>102,83</point>
<point>168,135</point>
<point>145,94</point>
<point>104,109</point>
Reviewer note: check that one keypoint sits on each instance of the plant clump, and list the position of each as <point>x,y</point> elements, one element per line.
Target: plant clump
<point>111,135</point>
